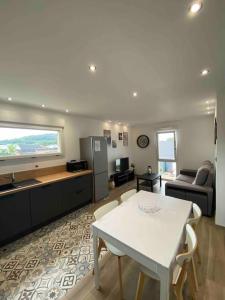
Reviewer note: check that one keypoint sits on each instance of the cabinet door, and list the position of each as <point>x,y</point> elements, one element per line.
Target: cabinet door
<point>45,203</point>
<point>76,192</point>
<point>14,214</point>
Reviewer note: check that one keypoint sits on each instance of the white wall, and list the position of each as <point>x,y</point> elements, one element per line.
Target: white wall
<point>220,169</point>
<point>194,143</point>
<point>74,128</point>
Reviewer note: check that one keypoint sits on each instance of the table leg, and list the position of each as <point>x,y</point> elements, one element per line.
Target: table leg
<point>137,184</point>
<point>165,286</point>
<point>151,182</point>
<point>160,180</point>
<point>96,266</point>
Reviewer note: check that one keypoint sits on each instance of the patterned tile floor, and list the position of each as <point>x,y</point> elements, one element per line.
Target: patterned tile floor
<point>45,264</point>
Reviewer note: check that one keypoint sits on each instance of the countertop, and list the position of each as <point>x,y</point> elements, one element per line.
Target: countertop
<point>61,176</point>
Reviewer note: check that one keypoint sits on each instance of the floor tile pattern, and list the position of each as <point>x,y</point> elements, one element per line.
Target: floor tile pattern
<point>45,264</point>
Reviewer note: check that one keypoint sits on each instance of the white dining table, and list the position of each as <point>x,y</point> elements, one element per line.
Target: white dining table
<point>151,239</point>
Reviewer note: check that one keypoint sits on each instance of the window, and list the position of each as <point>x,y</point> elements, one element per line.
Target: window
<point>167,154</point>
<point>17,140</point>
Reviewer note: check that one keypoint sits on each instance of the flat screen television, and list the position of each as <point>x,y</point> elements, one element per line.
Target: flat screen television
<point>122,164</point>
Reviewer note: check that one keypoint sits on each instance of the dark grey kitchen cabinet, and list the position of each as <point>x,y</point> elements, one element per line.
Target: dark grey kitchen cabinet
<point>77,192</point>
<point>24,211</point>
<point>14,215</point>
<point>45,202</point>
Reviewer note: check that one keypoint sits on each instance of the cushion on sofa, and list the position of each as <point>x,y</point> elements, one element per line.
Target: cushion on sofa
<point>206,162</point>
<point>176,184</point>
<point>202,175</point>
<point>185,178</point>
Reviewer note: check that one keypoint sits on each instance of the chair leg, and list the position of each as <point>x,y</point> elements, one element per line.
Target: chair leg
<point>140,286</point>
<point>192,280</point>
<point>120,277</point>
<point>178,291</point>
<point>193,271</point>
<point>101,244</point>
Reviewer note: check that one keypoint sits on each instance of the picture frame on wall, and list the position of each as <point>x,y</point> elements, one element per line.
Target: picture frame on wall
<point>114,144</point>
<point>107,135</point>
<point>120,136</point>
<point>125,138</point>
<point>215,131</point>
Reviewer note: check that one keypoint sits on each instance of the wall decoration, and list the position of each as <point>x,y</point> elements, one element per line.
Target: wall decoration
<point>125,138</point>
<point>107,135</point>
<point>114,144</point>
<point>215,131</point>
<point>120,136</point>
<point>143,141</point>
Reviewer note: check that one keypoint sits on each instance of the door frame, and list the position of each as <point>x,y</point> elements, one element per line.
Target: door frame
<point>174,131</point>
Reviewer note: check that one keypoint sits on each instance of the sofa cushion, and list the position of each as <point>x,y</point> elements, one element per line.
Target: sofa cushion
<point>176,184</point>
<point>206,162</point>
<point>185,178</point>
<point>202,175</point>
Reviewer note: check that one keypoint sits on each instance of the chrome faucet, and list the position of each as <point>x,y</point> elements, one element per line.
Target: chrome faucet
<point>13,177</point>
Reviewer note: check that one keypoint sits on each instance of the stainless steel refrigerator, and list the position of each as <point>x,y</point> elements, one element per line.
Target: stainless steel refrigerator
<point>94,150</point>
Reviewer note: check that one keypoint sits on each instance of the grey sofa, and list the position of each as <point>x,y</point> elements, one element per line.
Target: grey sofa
<point>195,186</point>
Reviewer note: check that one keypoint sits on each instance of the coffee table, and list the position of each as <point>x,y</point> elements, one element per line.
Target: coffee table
<point>149,180</point>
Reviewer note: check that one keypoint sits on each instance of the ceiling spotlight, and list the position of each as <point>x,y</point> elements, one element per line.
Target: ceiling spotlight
<point>207,102</point>
<point>42,105</point>
<point>67,110</point>
<point>9,99</point>
<point>205,72</point>
<point>92,68</point>
<point>135,94</point>
<point>195,7</point>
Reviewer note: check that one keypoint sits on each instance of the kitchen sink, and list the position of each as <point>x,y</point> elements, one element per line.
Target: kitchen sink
<point>25,183</point>
<point>16,185</point>
<point>8,186</point>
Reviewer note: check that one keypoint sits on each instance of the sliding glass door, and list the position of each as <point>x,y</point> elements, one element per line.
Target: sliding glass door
<point>166,145</point>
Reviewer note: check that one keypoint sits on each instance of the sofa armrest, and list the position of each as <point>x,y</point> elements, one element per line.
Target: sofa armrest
<point>188,172</point>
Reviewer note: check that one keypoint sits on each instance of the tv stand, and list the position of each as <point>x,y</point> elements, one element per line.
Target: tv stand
<point>122,177</point>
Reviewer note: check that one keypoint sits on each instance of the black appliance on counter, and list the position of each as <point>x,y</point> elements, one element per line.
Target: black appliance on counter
<point>76,165</point>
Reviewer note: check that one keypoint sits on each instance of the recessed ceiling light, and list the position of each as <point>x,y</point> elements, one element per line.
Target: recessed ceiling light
<point>207,102</point>
<point>42,105</point>
<point>9,99</point>
<point>67,110</point>
<point>135,94</point>
<point>195,7</point>
<point>92,68</point>
<point>205,72</point>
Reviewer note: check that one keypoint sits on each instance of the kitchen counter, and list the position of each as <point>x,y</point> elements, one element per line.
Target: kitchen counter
<point>47,179</point>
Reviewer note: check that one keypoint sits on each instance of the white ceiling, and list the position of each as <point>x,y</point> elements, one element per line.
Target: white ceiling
<point>152,47</point>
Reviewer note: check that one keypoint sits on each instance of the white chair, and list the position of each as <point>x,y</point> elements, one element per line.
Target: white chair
<point>197,214</point>
<point>127,195</point>
<point>181,271</point>
<point>99,213</point>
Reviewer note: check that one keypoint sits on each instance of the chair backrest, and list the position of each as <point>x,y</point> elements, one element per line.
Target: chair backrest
<point>191,240</point>
<point>127,195</point>
<point>100,212</point>
<point>197,216</point>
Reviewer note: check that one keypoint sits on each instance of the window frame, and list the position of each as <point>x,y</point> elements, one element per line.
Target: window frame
<point>175,146</point>
<point>18,125</point>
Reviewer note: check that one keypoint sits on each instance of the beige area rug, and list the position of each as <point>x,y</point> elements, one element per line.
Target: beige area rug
<point>47,263</point>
